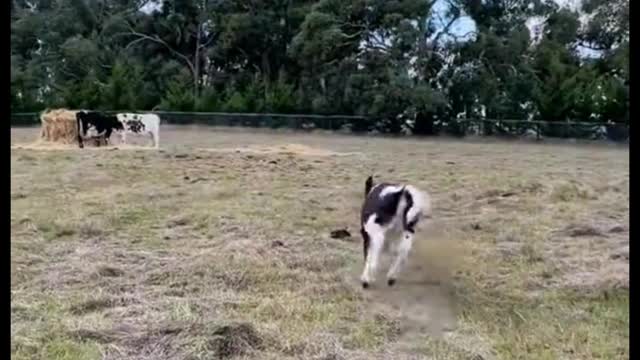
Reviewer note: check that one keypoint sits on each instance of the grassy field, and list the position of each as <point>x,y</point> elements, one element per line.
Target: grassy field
<point>213,248</point>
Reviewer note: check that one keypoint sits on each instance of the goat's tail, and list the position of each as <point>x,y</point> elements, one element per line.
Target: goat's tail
<point>368,185</point>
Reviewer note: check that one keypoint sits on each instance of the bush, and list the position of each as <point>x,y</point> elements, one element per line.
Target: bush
<point>178,97</point>
<point>208,101</point>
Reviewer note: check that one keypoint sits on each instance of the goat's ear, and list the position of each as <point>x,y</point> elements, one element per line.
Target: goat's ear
<point>368,185</point>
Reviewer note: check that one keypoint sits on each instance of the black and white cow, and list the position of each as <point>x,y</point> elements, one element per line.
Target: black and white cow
<point>390,209</point>
<point>140,124</point>
<point>96,124</point>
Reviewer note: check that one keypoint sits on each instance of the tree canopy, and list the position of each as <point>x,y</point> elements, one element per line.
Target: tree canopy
<point>387,59</point>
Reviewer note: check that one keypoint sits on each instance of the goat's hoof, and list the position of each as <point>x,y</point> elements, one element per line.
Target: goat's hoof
<point>365,285</point>
<point>391,282</point>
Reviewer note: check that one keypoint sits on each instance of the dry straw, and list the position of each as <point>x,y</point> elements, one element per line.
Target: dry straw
<point>59,126</point>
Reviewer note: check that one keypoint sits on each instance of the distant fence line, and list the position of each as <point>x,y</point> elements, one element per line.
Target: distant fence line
<point>328,122</point>
<point>536,129</point>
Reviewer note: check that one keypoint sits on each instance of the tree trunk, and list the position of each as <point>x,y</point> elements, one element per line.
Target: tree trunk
<point>196,60</point>
<point>266,66</point>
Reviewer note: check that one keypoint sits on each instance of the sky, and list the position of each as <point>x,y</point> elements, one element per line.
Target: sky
<point>465,24</point>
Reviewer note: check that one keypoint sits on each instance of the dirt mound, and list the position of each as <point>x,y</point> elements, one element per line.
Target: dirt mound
<point>290,149</point>
<point>235,339</point>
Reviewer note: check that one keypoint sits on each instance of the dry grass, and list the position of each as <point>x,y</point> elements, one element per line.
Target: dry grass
<point>192,254</point>
<point>89,146</point>
<point>288,149</point>
<point>59,126</point>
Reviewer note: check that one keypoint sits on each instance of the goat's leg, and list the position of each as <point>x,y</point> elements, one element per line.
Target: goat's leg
<point>376,243</point>
<point>403,253</point>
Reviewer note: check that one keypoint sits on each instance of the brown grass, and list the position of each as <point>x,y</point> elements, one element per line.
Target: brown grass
<point>48,146</point>
<point>189,254</point>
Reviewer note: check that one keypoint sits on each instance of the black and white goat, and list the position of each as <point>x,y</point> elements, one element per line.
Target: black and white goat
<point>390,209</point>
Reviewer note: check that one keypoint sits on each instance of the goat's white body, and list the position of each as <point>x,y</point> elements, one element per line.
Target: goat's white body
<point>378,233</point>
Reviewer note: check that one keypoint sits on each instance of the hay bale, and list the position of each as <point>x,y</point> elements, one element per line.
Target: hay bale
<point>59,126</point>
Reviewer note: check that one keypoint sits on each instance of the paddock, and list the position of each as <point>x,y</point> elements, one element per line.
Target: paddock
<point>218,244</point>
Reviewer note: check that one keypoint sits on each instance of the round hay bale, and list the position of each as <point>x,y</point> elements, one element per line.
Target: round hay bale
<point>59,126</point>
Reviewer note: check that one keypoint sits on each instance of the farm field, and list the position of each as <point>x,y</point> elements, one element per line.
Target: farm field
<point>217,246</point>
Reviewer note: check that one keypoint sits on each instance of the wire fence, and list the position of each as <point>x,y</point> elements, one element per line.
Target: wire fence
<point>293,121</point>
<point>540,129</point>
<point>532,129</point>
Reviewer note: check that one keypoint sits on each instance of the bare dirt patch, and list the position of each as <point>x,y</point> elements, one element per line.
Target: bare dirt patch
<point>422,301</point>
<point>287,149</point>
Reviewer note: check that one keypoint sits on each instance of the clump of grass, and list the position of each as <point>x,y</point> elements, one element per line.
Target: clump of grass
<point>177,221</point>
<point>90,229</point>
<point>531,253</point>
<point>54,229</point>
<point>67,349</point>
<point>132,217</point>
<point>372,333</point>
<point>572,191</point>
<point>577,230</point>
<point>43,334</point>
<point>109,271</point>
<point>92,305</point>
<point>235,339</point>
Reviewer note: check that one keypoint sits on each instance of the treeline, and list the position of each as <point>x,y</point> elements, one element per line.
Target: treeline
<point>398,62</point>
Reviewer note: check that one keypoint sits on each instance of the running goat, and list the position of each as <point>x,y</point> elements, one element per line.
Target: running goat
<point>389,210</point>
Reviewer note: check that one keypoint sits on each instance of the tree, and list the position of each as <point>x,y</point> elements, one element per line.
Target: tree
<point>398,62</point>
<point>182,29</point>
